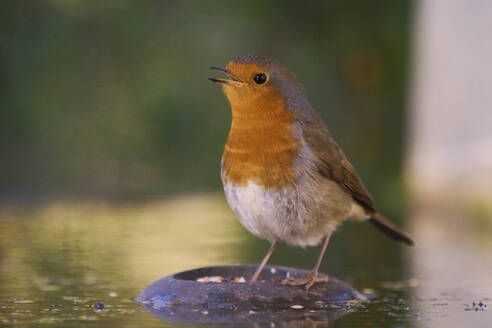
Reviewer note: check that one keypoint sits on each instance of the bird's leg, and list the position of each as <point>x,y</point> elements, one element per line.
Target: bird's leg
<point>311,278</point>
<point>264,262</point>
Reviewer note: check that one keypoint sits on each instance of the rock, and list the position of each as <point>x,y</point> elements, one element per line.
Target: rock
<point>181,298</point>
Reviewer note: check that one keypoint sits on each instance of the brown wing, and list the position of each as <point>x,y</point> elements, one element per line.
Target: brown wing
<point>332,163</point>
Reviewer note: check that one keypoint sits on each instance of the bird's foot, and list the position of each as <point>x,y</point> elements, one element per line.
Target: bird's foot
<point>307,281</point>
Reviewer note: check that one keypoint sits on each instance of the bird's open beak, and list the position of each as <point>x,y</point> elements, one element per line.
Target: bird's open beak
<point>231,77</point>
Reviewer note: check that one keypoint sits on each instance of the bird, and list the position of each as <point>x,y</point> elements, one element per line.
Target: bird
<point>283,174</point>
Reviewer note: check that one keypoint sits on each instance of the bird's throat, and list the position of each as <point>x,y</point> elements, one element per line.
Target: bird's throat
<point>261,146</point>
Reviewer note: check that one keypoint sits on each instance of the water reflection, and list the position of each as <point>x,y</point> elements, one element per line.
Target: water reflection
<point>58,259</point>
<point>62,257</point>
<point>454,266</point>
<point>323,317</point>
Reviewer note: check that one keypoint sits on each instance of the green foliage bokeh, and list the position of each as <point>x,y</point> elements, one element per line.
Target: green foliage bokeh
<point>112,97</point>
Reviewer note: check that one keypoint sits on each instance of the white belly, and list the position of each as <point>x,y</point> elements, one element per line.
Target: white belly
<point>301,215</point>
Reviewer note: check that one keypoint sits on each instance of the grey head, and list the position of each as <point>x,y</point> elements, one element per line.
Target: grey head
<point>279,78</point>
<point>282,79</point>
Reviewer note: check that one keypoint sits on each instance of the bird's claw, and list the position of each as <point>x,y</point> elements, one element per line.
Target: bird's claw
<point>307,281</point>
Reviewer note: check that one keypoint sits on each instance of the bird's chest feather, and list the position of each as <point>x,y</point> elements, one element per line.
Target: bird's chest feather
<point>261,147</point>
<point>281,197</point>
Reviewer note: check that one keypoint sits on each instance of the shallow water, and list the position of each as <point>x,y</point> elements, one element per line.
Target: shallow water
<point>58,259</point>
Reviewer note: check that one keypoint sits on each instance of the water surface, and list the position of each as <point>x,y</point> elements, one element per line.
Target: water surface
<point>59,258</point>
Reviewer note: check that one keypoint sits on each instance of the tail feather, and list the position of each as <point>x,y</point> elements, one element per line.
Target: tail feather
<point>390,230</point>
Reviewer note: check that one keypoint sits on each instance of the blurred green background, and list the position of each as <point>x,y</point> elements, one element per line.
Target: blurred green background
<point>111,98</point>
<point>111,137</point>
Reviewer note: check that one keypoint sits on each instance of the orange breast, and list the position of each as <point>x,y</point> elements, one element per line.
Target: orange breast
<point>261,145</point>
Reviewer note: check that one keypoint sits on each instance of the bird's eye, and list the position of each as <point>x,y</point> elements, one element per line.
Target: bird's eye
<point>260,78</point>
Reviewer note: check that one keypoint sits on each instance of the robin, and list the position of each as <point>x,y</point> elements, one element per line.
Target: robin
<point>284,176</point>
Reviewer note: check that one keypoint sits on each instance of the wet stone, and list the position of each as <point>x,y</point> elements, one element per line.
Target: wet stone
<point>225,295</point>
